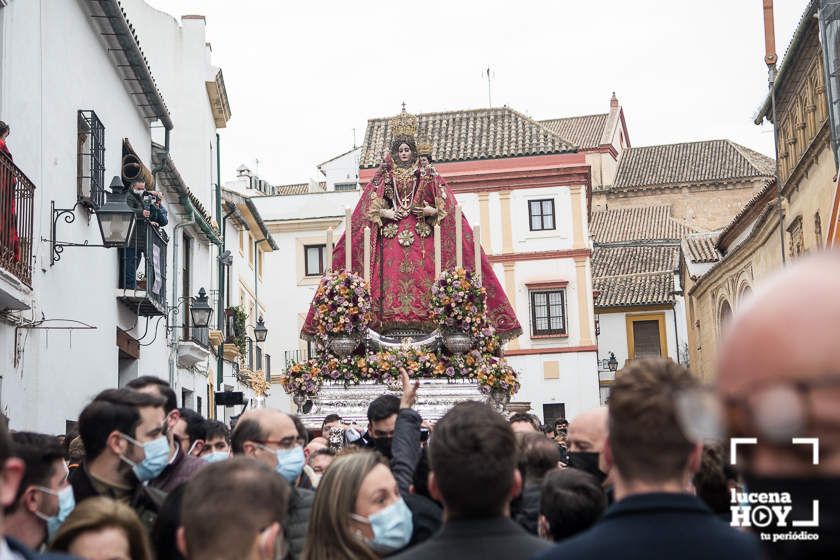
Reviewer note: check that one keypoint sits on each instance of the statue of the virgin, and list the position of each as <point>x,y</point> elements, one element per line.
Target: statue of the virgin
<point>401,204</point>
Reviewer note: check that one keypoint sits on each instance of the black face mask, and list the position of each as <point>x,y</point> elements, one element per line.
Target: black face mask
<point>803,491</point>
<point>586,461</point>
<point>383,445</point>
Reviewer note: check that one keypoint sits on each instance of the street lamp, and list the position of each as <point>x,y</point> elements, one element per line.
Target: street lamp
<point>200,310</point>
<point>116,218</point>
<point>260,331</point>
<point>612,363</point>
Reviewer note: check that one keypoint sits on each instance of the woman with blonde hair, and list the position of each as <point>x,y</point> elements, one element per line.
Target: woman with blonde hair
<point>103,529</point>
<point>358,512</point>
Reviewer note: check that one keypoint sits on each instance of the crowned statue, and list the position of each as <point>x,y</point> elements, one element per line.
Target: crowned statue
<point>401,206</point>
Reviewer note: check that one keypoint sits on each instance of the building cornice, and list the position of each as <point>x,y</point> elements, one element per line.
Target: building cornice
<point>539,255</point>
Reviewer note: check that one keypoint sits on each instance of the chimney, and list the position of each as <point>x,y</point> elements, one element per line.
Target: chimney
<point>614,101</point>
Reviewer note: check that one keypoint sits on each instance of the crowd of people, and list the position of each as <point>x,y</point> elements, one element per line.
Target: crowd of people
<point>644,477</point>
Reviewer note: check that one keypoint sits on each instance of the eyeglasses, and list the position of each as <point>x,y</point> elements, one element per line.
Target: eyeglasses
<point>285,443</point>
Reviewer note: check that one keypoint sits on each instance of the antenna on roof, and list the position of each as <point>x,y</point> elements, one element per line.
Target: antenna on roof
<point>489,74</point>
<point>257,173</point>
<point>354,138</point>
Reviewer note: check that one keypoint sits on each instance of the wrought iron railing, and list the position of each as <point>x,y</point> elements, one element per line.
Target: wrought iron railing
<point>153,241</point>
<point>16,206</point>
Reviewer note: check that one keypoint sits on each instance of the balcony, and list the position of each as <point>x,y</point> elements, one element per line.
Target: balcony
<point>194,348</point>
<point>16,206</point>
<point>144,293</point>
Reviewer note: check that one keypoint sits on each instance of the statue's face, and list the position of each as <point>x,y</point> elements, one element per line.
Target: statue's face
<point>404,153</point>
<point>424,161</point>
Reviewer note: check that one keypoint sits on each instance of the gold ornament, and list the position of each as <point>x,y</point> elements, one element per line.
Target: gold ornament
<point>424,147</point>
<point>403,125</point>
<point>405,238</point>
<point>390,231</point>
<point>423,229</point>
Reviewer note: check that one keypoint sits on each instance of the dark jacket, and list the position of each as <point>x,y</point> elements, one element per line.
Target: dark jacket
<point>658,525</point>
<point>27,554</point>
<point>143,499</point>
<point>526,509</point>
<point>426,518</point>
<point>297,521</point>
<point>489,538</point>
<point>157,214</point>
<point>405,448</point>
<point>179,471</point>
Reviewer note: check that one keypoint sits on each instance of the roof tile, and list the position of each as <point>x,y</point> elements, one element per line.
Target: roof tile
<point>470,135</point>
<point>585,131</point>
<point>629,290</point>
<point>700,247</point>
<point>690,162</point>
<point>636,224</point>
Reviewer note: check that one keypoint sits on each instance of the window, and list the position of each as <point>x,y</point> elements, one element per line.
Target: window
<point>548,312</point>
<point>242,241</point>
<point>90,167</point>
<point>646,336</point>
<point>553,412</point>
<point>250,250</point>
<point>345,186</point>
<point>818,230</point>
<point>314,259</point>
<point>186,288</point>
<point>249,350</point>
<point>259,261</point>
<point>797,242</point>
<point>259,358</point>
<point>268,365</point>
<point>542,214</point>
<point>198,405</point>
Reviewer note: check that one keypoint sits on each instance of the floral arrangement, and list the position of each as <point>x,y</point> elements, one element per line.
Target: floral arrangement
<point>302,377</point>
<point>256,381</point>
<point>342,305</point>
<point>497,376</point>
<point>458,300</point>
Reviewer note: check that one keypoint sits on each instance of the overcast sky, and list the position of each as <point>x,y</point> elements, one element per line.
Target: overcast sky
<point>302,75</point>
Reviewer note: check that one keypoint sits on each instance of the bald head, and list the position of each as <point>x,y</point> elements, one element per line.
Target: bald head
<point>258,431</point>
<point>588,431</point>
<point>786,335</point>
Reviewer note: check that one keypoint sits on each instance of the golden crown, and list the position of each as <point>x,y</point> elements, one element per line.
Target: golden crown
<point>424,147</point>
<point>403,125</point>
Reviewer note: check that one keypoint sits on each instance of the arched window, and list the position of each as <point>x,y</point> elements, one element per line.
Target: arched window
<point>724,315</point>
<point>744,294</point>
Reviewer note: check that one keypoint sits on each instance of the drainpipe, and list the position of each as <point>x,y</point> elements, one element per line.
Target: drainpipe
<point>174,336</point>
<point>220,268</point>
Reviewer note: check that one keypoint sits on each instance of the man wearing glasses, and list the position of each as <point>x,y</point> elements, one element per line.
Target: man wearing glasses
<point>779,381</point>
<point>270,437</point>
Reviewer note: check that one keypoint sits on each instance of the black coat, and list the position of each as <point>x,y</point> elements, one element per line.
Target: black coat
<point>658,525</point>
<point>491,538</point>
<point>525,510</point>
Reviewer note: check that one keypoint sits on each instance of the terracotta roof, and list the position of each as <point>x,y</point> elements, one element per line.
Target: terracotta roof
<point>585,131</point>
<point>636,224</point>
<point>470,135</point>
<point>637,289</point>
<point>298,188</point>
<point>700,247</point>
<point>621,260</point>
<point>762,194</point>
<point>690,162</point>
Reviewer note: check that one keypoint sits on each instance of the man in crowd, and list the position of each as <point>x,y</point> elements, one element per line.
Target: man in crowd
<point>330,421</point>
<point>44,498</point>
<point>652,462</point>
<point>320,460</point>
<point>180,466</point>
<point>270,437</point>
<point>537,457</point>
<point>123,434</point>
<point>216,441</point>
<point>190,431</point>
<point>474,474</point>
<point>587,435</point>
<point>234,510</point>
<point>571,501</point>
<point>382,421</point>
<point>522,422</point>
<point>11,472</point>
<point>778,379</point>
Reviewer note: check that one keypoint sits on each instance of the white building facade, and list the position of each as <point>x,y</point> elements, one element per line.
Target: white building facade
<point>77,329</point>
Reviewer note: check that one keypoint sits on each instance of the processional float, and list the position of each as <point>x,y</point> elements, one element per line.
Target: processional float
<point>397,297</point>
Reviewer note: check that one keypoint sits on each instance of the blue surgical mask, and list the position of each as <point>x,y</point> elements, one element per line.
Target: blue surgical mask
<point>392,527</point>
<point>157,457</point>
<point>216,456</point>
<point>66,503</point>
<point>289,462</point>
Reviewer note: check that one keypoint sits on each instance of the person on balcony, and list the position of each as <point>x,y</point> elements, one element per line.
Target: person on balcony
<point>150,213</point>
<point>9,238</point>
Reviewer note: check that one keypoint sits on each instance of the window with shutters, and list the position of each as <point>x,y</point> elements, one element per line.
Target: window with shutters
<point>548,312</point>
<point>646,336</point>
<point>541,214</point>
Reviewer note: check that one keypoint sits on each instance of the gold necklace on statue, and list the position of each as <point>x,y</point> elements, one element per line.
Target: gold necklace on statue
<point>401,176</point>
